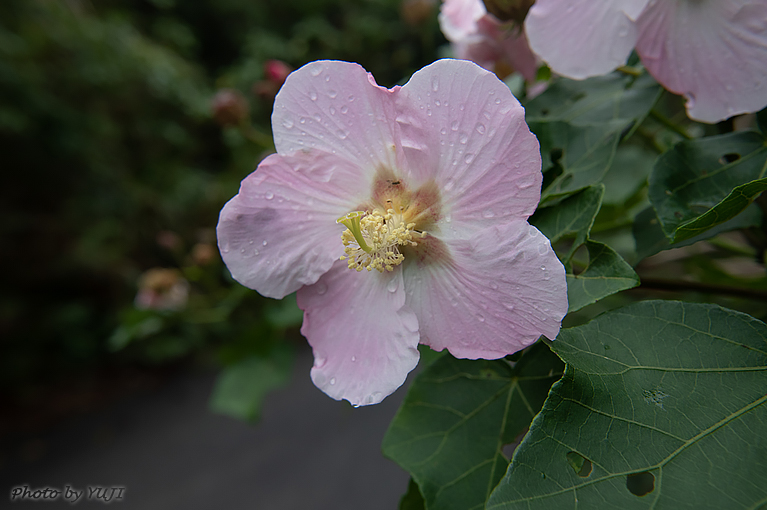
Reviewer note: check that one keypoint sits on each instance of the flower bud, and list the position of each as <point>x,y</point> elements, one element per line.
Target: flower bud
<point>276,71</point>
<point>230,108</point>
<point>509,10</point>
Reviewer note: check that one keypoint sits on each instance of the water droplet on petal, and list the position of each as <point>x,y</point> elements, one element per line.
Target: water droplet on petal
<point>480,129</point>
<point>454,125</point>
<point>313,95</point>
<point>332,94</point>
<point>392,285</point>
<point>437,103</point>
<point>321,288</point>
<point>332,381</point>
<point>435,83</point>
<point>332,111</point>
<point>287,123</point>
<point>319,362</point>
<point>344,109</point>
<point>351,97</point>
<point>480,317</point>
<point>497,100</point>
<point>463,138</point>
<point>265,243</point>
<point>354,358</point>
<point>318,117</point>
<point>342,134</point>
<point>302,120</point>
<point>316,70</point>
<point>269,195</point>
<point>487,213</point>
<point>468,158</point>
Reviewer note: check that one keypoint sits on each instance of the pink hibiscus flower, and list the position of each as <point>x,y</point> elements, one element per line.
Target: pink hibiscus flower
<point>479,36</point>
<point>434,182</point>
<point>714,52</point>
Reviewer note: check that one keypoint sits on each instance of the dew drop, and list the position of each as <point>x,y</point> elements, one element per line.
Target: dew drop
<point>344,109</point>
<point>327,78</point>
<point>480,129</point>
<point>543,268</point>
<point>487,213</point>
<point>265,243</point>
<point>321,288</point>
<point>302,120</point>
<point>316,70</point>
<point>255,251</point>
<point>509,306</point>
<point>319,362</point>
<point>242,250</point>
<point>317,117</point>
<point>468,158</point>
<point>435,83</point>
<point>497,100</point>
<point>332,94</point>
<point>463,138</point>
<point>269,195</point>
<point>454,125</point>
<point>332,381</point>
<point>351,97</point>
<point>332,111</point>
<point>437,103</point>
<point>287,123</point>
<point>354,358</point>
<point>392,285</point>
<point>313,95</point>
<point>342,134</point>
<point>480,317</point>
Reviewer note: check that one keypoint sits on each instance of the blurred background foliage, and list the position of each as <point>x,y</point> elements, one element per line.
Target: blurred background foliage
<point>115,169</point>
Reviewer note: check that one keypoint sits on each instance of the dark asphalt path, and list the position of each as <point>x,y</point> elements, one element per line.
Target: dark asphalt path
<point>308,452</point>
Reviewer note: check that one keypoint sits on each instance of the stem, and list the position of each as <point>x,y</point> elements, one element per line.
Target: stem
<point>706,288</point>
<point>631,71</point>
<point>655,114</point>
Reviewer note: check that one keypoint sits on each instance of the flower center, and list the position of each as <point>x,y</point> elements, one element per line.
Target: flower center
<point>372,239</point>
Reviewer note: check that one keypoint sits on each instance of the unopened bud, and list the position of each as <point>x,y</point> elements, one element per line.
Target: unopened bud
<point>509,10</point>
<point>417,12</point>
<point>230,108</point>
<point>276,71</point>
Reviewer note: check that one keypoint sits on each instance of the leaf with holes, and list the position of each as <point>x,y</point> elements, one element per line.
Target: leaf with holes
<point>606,274</point>
<point>596,100</point>
<point>573,215</point>
<point>457,416</point>
<point>702,183</point>
<point>575,156</point>
<point>662,405</point>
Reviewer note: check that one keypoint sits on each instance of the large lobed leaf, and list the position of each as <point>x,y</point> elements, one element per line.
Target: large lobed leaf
<point>662,406</point>
<point>702,183</point>
<point>457,416</point>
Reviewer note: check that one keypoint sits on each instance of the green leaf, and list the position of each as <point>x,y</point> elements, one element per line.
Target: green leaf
<point>702,183</point>
<point>596,100</point>
<point>735,203</point>
<point>575,156</point>
<point>665,403</point>
<point>412,500</point>
<point>606,274</point>
<point>650,239</point>
<point>241,388</point>
<point>574,215</point>
<point>457,416</point>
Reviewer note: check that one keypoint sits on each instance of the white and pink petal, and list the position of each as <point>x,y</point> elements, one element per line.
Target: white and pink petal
<point>337,107</point>
<point>583,38</point>
<point>502,289</point>
<point>713,53</point>
<point>363,336</point>
<point>279,232</point>
<point>462,127</point>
